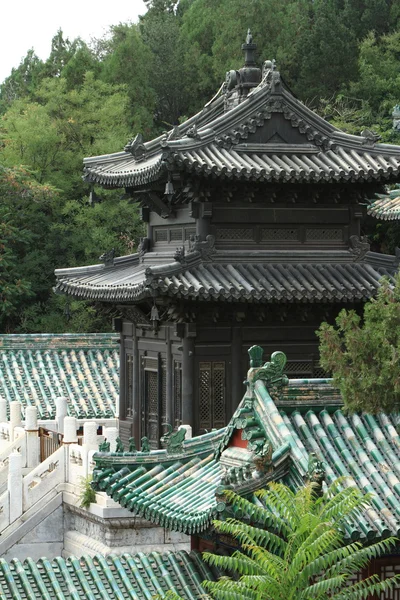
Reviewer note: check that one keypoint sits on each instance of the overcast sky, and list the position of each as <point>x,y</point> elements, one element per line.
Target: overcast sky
<point>29,24</point>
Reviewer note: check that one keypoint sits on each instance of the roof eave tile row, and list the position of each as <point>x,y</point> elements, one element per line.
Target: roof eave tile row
<point>339,166</point>
<point>128,576</point>
<point>254,282</point>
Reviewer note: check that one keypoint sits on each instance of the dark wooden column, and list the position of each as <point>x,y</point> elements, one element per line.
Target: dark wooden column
<point>169,375</point>
<point>237,375</point>
<point>203,213</point>
<point>188,378</point>
<point>136,404</point>
<point>123,400</point>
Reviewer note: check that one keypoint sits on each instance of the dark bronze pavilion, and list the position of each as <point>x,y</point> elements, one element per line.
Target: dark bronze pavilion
<point>253,210</point>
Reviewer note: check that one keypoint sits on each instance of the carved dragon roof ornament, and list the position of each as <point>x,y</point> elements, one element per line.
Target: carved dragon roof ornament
<point>136,147</point>
<point>271,372</point>
<point>359,246</point>
<point>205,247</point>
<point>108,258</point>
<point>173,440</point>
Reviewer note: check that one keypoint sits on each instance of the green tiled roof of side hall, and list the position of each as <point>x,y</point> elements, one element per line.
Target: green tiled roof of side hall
<point>129,576</point>
<point>36,369</point>
<point>183,492</point>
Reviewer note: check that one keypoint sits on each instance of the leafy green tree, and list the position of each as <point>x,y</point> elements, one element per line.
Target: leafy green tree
<point>17,189</point>
<point>327,52</point>
<point>363,353</point>
<point>129,61</point>
<point>22,81</point>
<point>52,135</point>
<point>379,73</point>
<point>363,16</point>
<point>62,50</point>
<point>300,553</point>
<point>14,289</point>
<point>161,34</point>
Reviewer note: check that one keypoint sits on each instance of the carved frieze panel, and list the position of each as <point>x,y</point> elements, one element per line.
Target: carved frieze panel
<point>324,235</point>
<point>233,234</point>
<point>279,234</point>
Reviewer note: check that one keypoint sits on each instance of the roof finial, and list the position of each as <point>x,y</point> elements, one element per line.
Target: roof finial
<point>249,50</point>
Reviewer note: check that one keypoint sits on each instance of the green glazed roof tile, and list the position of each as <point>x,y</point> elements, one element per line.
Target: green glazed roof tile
<point>36,369</point>
<point>130,576</point>
<point>386,206</point>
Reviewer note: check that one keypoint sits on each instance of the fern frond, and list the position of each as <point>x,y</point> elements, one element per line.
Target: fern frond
<point>226,589</point>
<point>280,499</point>
<point>363,589</point>
<point>359,556</point>
<point>247,534</point>
<point>322,587</point>
<point>237,562</point>
<point>320,546</point>
<point>345,505</point>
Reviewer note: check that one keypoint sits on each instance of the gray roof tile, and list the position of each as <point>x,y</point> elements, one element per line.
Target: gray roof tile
<point>317,281</point>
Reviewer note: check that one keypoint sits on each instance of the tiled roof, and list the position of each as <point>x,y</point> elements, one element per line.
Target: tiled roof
<point>177,492</point>
<point>266,439</point>
<point>36,369</point>
<point>273,277</point>
<point>129,576</point>
<point>386,206</point>
<point>362,448</point>
<point>234,144</point>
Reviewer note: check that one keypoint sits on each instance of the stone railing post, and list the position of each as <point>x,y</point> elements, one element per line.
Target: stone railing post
<point>61,413</point>
<point>89,443</point>
<point>15,417</point>
<point>70,437</point>
<point>111,434</point>
<point>32,437</point>
<point>3,410</point>
<point>15,485</point>
<point>70,427</point>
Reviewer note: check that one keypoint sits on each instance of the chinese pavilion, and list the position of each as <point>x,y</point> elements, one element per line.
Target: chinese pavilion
<point>253,210</point>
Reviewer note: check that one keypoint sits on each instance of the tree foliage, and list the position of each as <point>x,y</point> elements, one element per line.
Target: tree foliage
<point>300,552</point>
<point>363,353</point>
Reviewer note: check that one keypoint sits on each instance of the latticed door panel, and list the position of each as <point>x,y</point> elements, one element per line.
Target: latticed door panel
<point>212,394</point>
<point>177,393</point>
<point>205,396</point>
<point>163,375</point>
<point>218,389</point>
<point>152,416</point>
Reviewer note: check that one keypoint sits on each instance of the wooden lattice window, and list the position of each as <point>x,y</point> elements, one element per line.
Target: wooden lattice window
<point>386,569</point>
<point>212,396</point>
<point>177,393</point>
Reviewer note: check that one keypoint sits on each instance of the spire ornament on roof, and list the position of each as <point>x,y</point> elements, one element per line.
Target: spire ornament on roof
<point>249,49</point>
